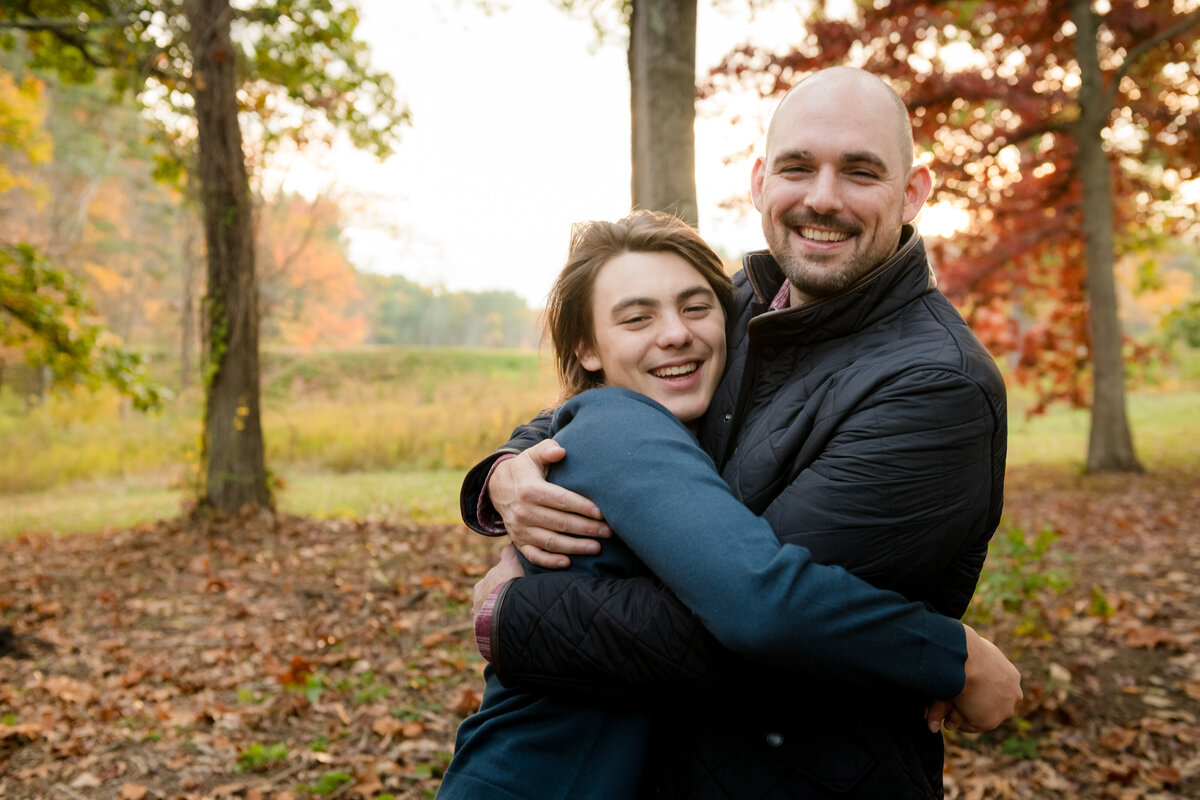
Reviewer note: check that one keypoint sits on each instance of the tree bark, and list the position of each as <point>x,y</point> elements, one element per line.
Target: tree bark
<point>662,78</point>
<point>233,453</point>
<point>1110,443</point>
<point>187,313</point>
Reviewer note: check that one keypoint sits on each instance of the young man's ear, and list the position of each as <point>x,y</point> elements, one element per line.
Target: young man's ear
<point>588,359</point>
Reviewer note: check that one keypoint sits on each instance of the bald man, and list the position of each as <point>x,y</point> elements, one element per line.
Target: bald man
<point>861,417</point>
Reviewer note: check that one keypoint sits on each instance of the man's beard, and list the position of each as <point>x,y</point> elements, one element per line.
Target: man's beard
<point>815,281</point>
<point>816,278</point>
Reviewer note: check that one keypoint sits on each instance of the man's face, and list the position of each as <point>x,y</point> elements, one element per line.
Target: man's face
<point>834,188</point>
<point>658,329</point>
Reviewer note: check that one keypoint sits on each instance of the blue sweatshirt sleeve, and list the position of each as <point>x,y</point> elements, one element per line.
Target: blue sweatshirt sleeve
<point>662,496</point>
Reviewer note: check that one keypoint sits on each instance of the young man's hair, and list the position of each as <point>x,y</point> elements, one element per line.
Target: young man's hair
<point>568,317</point>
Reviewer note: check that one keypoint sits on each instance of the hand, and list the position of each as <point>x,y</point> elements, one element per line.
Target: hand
<point>506,569</point>
<point>990,693</point>
<point>545,521</point>
<point>936,713</point>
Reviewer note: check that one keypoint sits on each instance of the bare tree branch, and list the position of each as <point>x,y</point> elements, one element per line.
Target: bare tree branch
<point>64,24</point>
<point>1135,53</point>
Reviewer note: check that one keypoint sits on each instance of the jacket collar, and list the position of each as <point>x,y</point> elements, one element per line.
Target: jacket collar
<point>894,283</point>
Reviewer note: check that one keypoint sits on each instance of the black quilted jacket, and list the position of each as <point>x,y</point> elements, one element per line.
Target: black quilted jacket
<point>869,428</point>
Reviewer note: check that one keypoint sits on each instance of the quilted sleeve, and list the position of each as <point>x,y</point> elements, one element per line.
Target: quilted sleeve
<point>646,641</point>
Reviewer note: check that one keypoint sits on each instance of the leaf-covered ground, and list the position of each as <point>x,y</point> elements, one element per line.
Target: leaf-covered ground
<point>284,657</point>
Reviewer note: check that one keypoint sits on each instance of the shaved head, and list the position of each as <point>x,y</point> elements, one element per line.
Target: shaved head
<point>850,82</point>
<point>838,180</point>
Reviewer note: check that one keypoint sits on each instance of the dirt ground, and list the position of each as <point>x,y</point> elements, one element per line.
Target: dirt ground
<point>280,657</point>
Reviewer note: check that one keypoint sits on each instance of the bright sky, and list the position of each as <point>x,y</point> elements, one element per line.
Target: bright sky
<point>520,128</point>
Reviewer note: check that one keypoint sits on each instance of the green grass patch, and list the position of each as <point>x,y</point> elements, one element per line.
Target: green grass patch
<point>425,497</point>
<point>1060,437</point>
<point>381,410</point>
<point>260,756</point>
<point>87,506</point>
<point>388,432</point>
<point>78,436</point>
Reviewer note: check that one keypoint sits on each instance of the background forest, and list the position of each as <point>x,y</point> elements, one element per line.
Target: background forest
<point>230,557</point>
<point>84,189</point>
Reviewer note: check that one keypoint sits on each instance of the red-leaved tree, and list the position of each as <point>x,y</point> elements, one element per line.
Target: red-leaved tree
<point>1065,128</point>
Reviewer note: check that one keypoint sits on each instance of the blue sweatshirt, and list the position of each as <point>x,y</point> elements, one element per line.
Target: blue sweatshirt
<point>675,517</point>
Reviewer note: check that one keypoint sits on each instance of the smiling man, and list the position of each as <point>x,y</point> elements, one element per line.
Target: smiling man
<point>862,419</point>
<point>837,181</point>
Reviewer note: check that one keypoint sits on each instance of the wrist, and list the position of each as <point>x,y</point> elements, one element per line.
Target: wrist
<point>485,512</point>
<point>971,642</point>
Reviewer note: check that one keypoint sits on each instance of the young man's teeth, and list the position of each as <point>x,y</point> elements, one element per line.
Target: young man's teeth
<point>823,236</point>
<point>675,372</point>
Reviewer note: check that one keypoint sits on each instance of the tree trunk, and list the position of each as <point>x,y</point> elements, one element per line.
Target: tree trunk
<point>662,79</point>
<point>1110,445</point>
<point>235,472</point>
<point>187,314</point>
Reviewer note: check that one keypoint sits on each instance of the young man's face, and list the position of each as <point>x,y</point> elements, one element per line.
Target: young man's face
<point>658,329</point>
<point>834,187</point>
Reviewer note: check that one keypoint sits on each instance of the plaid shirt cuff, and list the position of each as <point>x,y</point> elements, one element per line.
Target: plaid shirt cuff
<point>483,623</point>
<point>489,519</point>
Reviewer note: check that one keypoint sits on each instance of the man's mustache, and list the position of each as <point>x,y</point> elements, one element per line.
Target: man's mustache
<point>825,221</point>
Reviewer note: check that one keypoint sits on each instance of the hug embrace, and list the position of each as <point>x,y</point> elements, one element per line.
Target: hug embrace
<point>748,533</point>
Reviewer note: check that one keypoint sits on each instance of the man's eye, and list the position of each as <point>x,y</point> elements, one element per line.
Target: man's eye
<point>634,320</point>
<point>697,309</point>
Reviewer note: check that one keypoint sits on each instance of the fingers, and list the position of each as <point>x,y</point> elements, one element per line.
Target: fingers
<point>551,549</point>
<point>546,522</point>
<point>528,476</point>
<point>482,589</point>
<point>955,721</point>
<point>554,512</point>
<point>542,558</point>
<point>520,493</point>
<point>545,452</point>
<point>506,569</point>
<point>936,713</point>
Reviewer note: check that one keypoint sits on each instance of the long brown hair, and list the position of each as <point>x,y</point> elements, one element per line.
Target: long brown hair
<point>568,318</point>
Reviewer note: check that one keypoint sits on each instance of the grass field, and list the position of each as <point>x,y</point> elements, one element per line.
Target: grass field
<point>389,433</point>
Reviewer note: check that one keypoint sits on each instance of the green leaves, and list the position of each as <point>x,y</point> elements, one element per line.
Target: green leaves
<point>304,74</point>
<point>1019,574</point>
<point>258,756</point>
<point>307,75</point>
<point>45,317</point>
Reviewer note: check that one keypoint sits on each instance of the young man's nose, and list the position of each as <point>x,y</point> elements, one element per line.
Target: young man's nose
<point>674,332</point>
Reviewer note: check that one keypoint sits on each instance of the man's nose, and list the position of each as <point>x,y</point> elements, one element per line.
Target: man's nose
<point>824,194</point>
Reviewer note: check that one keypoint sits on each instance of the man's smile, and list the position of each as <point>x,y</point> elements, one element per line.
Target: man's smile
<point>819,235</point>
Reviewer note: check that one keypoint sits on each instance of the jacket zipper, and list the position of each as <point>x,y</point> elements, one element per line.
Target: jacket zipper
<point>739,411</point>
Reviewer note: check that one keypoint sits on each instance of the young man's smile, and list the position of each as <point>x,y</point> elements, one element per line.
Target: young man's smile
<point>659,330</point>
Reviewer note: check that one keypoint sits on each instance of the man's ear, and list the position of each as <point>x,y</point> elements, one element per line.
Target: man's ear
<point>588,359</point>
<point>757,173</point>
<point>916,191</point>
